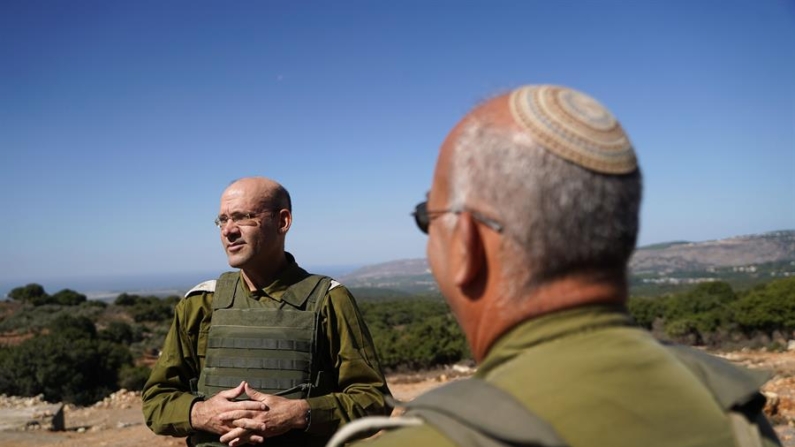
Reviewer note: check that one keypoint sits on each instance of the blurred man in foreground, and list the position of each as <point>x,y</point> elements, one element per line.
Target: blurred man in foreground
<point>532,217</point>
<point>268,353</point>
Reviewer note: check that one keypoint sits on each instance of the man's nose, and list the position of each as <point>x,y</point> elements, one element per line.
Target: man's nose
<point>230,227</point>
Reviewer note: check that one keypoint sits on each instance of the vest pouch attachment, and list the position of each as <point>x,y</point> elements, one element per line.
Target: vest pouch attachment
<point>271,349</point>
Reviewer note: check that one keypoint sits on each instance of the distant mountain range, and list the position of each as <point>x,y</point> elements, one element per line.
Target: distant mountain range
<point>741,260</point>
<point>776,246</point>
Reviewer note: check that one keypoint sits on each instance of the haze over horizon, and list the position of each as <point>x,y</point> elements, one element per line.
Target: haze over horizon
<point>122,122</point>
<point>103,287</point>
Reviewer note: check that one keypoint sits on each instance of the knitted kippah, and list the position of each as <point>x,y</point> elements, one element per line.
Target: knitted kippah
<point>573,126</point>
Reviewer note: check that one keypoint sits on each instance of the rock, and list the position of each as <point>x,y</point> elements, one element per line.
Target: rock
<point>791,345</point>
<point>772,403</point>
<point>463,369</point>
<point>32,414</point>
<point>58,423</point>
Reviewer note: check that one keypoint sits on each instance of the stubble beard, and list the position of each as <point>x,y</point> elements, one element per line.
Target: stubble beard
<point>238,259</point>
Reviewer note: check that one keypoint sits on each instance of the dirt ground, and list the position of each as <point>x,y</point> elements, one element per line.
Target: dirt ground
<point>117,421</point>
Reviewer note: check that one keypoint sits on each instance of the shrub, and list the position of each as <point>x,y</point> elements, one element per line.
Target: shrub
<point>73,328</point>
<point>646,310</point>
<point>79,371</point>
<point>69,364</point>
<point>28,293</point>
<point>68,297</point>
<point>133,378</point>
<point>118,332</point>
<point>415,333</point>
<point>767,308</point>
<point>148,308</point>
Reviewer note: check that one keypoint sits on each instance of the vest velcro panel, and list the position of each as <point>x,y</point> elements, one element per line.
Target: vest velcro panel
<point>266,384</point>
<point>258,343</point>
<point>271,349</point>
<point>235,362</point>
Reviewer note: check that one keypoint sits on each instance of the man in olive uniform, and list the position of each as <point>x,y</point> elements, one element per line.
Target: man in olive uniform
<point>267,354</point>
<point>531,220</point>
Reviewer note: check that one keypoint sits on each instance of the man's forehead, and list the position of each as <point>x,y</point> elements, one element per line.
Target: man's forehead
<point>239,198</point>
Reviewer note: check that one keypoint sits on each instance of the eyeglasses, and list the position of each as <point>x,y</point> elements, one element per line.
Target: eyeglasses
<point>239,219</point>
<point>423,217</point>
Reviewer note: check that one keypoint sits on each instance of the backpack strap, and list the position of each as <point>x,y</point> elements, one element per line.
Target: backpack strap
<point>736,390</point>
<point>366,426</point>
<point>456,410</point>
<point>731,386</point>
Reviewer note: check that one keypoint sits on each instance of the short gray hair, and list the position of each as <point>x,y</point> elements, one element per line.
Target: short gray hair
<point>558,218</point>
<point>281,198</point>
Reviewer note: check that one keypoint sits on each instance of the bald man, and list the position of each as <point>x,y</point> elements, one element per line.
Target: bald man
<point>268,353</point>
<point>531,219</point>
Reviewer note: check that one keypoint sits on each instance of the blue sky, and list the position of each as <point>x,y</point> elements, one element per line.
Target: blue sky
<point>122,122</point>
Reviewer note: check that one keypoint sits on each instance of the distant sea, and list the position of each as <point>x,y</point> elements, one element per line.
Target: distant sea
<point>107,288</point>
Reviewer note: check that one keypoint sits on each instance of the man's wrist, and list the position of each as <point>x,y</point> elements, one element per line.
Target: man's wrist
<point>194,412</point>
<point>305,415</point>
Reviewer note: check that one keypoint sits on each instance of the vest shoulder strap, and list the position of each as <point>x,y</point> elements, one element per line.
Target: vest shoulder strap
<point>222,288</point>
<point>225,290</point>
<point>307,293</point>
<point>304,294</point>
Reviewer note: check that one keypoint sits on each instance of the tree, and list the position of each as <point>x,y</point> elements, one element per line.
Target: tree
<point>118,332</point>
<point>703,309</point>
<point>28,293</point>
<point>73,328</point>
<point>68,297</point>
<point>415,333</point>
<point>69,364</point>
<point>126,300</point>
<point>646,310</point>
<point>767,308</point>
<point>133,378</point>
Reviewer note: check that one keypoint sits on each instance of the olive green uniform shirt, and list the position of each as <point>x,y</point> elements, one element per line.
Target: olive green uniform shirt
<point>348,353</point>
<point>598,381</point>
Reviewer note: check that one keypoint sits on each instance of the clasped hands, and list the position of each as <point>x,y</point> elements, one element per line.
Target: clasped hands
<point>248,421</point>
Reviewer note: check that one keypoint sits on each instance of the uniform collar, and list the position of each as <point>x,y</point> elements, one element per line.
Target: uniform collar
<point>288,276</point>
<point>551,327</point>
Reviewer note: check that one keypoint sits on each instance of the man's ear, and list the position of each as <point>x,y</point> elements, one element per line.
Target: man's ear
<point>285,220</point>
<point>471,255</point>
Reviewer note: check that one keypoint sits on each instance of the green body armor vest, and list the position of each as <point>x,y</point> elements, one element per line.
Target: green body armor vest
<point>271,345</point>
